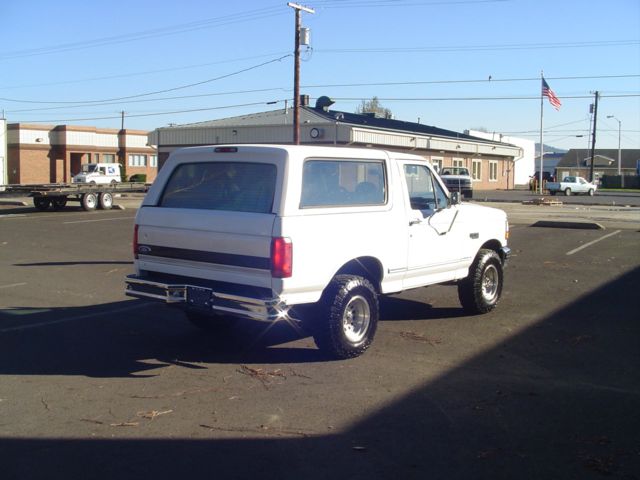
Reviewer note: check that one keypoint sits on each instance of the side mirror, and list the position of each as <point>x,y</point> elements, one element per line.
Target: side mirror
<point>455,198</point>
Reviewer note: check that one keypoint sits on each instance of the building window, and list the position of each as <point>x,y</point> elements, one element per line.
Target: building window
<point>458,162</point>
<point>493,171</point>
<point>137,160</point>
<point>153,161</point>
<point>476,170</point>
<point>108,158</point>
<point>437,163</point>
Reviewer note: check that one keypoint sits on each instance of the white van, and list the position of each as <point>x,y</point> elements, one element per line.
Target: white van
<point>96,173</point>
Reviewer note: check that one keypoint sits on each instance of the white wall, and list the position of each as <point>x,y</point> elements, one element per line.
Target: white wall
<point>525,166</point>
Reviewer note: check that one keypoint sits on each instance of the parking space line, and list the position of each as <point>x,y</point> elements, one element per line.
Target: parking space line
<point>575,250</point>
<point>72,319</point>
<point>98,220</point>
<point>12,285</point>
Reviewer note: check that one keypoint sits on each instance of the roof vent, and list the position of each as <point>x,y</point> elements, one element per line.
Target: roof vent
<point>323,103</point>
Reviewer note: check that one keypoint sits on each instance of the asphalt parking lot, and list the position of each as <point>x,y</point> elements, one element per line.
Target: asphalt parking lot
<point>96,385</point>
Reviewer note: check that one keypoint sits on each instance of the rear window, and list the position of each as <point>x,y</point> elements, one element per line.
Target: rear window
<point>339,183</point>
<point>231,186</point>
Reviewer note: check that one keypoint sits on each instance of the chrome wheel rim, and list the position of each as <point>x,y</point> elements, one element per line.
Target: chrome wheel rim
<point>356,319</point>
<point>490,283</point>
<point>107,200</point>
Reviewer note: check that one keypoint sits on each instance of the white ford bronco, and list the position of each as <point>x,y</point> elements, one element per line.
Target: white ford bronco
<point>310,235</point>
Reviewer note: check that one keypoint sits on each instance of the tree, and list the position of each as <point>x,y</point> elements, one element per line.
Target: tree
<point>374,106</point>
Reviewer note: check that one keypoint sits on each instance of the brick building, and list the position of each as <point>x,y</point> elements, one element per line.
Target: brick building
<point>53,154</point>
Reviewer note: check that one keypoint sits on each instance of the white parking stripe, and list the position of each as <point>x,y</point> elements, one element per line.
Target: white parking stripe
<point>99,220</point>
<point>575,250</point>
<point>11,285</point>
<point>72,319</point>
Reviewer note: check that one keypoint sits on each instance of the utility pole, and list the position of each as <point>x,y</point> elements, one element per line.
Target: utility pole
<point>593,139</point>
<point>296,71</point>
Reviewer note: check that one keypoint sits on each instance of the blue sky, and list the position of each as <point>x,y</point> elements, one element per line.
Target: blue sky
<point>74,62</point>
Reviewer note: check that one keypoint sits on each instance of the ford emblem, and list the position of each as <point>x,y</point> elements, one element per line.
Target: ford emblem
<point>144,249</point>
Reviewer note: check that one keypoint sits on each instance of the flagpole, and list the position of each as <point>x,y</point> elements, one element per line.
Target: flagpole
<point>541,136</point>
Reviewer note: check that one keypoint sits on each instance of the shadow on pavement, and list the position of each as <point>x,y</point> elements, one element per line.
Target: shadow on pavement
<point>557,401</point>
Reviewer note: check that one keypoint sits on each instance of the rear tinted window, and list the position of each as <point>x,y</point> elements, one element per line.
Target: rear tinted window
<point>232,186</point>
<point>342,183</point>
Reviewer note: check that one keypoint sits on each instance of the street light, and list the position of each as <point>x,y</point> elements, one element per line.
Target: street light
<point>619,150</point>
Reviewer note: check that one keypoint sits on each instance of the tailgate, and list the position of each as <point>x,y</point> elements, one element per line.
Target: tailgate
<point>213,221</point>
<point>230,247</point>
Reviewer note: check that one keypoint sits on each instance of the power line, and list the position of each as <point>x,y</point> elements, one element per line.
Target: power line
<point>172,112</point>
<point>256,14</point>
<point>494,47</point>
<point>181,87</point>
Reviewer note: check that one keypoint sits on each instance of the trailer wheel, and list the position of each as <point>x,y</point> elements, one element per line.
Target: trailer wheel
<point>59,203</point>
<point>105,201</point>
<point>89,201</point>
<point>41,203</point>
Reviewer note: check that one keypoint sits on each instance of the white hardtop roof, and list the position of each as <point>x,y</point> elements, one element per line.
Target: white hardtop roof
<point>304,150</point>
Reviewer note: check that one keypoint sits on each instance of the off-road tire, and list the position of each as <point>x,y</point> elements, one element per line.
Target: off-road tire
<point>349,313</point>
<point>481,290</point>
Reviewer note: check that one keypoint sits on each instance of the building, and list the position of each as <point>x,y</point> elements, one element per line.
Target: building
<point>489,161</point>
<point>578,162</point>
<point>53,154</point>
<point>524,166</point>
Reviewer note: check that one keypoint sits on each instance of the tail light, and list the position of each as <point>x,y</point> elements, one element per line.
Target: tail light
<point>135,241</point>
<point>281,257</point>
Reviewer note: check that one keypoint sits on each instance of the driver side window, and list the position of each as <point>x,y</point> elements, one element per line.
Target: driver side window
<point>420,185</point>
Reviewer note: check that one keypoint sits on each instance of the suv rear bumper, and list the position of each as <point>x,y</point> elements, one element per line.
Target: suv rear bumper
<point>267,310</point>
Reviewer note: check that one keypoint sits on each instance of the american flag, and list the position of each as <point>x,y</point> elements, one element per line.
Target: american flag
<point>547,92</point>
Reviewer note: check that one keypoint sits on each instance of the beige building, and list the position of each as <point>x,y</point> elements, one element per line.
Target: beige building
<point>53,154</point>
<point>491,162</point>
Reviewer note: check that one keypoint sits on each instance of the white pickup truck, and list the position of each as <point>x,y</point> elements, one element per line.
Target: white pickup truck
<point>309,235</point>
<point>571,186</point>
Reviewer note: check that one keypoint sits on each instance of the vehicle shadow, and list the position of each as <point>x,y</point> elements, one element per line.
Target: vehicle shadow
<point>557,400</point>
<point>111,340</point>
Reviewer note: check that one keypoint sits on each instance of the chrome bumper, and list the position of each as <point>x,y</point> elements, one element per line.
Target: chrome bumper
<point>267,310</point>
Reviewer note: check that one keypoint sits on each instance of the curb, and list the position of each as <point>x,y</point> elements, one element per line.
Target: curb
<point>574,225</point>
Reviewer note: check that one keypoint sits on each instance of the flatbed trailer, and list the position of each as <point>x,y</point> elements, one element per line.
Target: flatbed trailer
<point>57,195</point>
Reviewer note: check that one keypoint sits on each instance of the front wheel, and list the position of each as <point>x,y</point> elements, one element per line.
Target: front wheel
<point>349,318</point>
<point>481,290</point>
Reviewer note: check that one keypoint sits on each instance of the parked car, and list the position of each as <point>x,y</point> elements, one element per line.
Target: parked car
<point>457,179</point>
<point>98,173</point>
<point>309,236</point>
<point>572,185</point>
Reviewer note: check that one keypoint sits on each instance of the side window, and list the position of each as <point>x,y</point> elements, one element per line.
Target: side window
<point>441,197</point>
<point>342,183</point>
<point>230,186</point>
<point>420,185</point>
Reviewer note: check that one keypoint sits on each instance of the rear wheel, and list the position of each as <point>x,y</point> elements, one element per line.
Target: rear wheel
<point>567,192</point>
<point>105,201</point>
<point>591,192</point>
<point>481,290</point>
<point>59,203</point>
<point>41,203</point>
<point>89,201</point>
<point>349,318</point>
